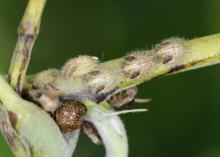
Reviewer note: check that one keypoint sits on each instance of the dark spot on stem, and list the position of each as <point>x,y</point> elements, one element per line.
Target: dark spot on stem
<point>27,40</point>
<point>176,68</point>
<point>130,58</point>
<point>18,84</point>
<point>94,73</point>
<point>12,118</point>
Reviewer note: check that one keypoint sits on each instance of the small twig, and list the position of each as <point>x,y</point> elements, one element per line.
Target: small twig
<point>27,34</point>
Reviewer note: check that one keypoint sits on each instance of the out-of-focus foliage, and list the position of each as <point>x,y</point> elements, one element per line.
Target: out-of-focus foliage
<point>184,116</point>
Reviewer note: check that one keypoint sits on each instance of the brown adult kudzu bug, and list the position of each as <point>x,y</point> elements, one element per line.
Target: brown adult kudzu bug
<point>70,115</point>
<point>61,94</point>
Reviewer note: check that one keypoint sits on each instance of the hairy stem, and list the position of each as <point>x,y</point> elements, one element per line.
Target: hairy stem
<point>110,128</point>
<point>141,66</point>
<point>169,57</point>
<point>27,34</point>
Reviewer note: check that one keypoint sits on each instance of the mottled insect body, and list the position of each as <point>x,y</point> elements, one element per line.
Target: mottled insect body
<point>122,98</point>
<point>83,78</point>
<point>136,65</point>
<point>170,51</point>
<point>50,89</point>
<point>100,82</point>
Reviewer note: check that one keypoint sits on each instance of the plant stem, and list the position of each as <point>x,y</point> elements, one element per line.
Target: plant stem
<point>27,34</point>
<point>31,132</point>
<point>199,52</point>
<point>110,128</point>
<point>18,146</point>
<point>141,66</point>
<point>196,53</point>
<point>34,132</point>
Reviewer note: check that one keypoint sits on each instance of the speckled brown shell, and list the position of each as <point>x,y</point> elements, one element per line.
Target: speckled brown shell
<point>70,115</point>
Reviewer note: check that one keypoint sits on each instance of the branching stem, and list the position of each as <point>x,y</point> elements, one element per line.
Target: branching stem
<point>36,134</point>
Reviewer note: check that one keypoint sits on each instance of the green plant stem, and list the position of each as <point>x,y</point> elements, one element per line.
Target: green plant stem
<point>197,53</point>
<point>36,133</point>
<point>18,146</point>
<point>110,128</point>
<point>27,34</point>
<point>200,52</point>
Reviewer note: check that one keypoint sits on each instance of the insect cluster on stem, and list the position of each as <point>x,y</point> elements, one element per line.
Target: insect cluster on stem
<point>64,92</point>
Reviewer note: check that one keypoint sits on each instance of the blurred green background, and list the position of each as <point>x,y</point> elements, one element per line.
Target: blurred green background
<point>183,120</point>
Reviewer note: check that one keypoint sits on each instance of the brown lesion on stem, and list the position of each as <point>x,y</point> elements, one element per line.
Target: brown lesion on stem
<point>8,122</point>
<point>12,118</point>
<point>28,41</point>
<point>27,34</point>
